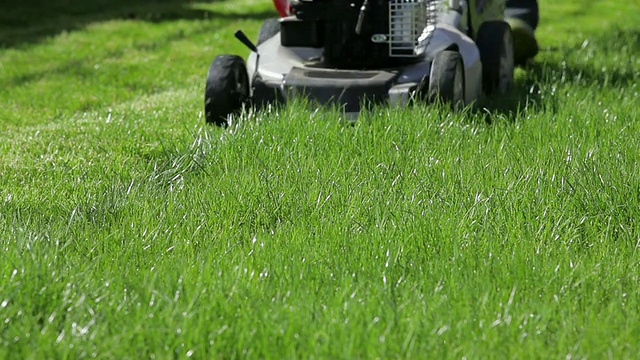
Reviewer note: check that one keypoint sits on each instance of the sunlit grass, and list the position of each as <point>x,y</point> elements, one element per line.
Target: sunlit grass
<point>130,229</point>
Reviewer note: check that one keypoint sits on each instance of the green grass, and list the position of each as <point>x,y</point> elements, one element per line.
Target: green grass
<point>129,229</point>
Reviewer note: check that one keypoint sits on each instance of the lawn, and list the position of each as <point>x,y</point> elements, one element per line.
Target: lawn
<point>130,229</point>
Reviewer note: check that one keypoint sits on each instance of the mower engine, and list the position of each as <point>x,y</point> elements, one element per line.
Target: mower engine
<point>360,34</point>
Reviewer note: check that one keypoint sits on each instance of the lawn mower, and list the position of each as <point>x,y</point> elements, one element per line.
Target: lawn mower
<point>357,53</point>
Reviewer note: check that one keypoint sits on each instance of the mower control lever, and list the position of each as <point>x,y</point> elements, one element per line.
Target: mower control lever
<point>240,35</point>
<point>362,16</point>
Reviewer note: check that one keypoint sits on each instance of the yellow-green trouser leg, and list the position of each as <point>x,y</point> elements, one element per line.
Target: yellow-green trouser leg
<point>523,16</point>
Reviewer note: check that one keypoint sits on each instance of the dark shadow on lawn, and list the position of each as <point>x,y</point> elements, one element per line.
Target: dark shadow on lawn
<point>524,96</point>
<point>30,21</point>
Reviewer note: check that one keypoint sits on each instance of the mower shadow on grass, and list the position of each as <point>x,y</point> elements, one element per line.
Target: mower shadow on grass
<point>523,97</point>
<point>31,21</point>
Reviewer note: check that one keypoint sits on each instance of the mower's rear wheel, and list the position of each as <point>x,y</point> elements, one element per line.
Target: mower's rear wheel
<point>446,79</point>
<point>270,27</point>
<point>227,88</point>
<point>495,42</point>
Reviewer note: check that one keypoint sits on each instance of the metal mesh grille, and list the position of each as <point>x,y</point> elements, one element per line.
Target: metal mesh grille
<point>410,22</point>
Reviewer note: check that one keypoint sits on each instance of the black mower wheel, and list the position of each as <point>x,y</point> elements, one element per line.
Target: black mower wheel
<point>227,88</point>
<point>495,42</point>
<point>270,27</point>
<point>446,79</point>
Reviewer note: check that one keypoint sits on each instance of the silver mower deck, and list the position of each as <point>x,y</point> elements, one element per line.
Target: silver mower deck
<point>293,71</point>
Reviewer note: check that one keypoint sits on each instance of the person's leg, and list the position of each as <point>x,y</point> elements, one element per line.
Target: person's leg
<point>523,16</point>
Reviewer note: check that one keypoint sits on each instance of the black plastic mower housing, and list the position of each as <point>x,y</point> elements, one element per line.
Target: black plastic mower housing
<point>331,24</point>
<point>350,89</point>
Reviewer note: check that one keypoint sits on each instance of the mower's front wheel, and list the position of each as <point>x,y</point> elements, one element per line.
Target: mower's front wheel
<point>227,88</point>
<point>446,79</point>
<point>495,42</point>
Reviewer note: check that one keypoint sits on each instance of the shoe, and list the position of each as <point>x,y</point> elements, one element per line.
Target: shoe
<point>525,45</point>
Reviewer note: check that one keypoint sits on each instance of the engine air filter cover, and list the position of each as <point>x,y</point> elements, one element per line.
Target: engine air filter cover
<point>410,23</point>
